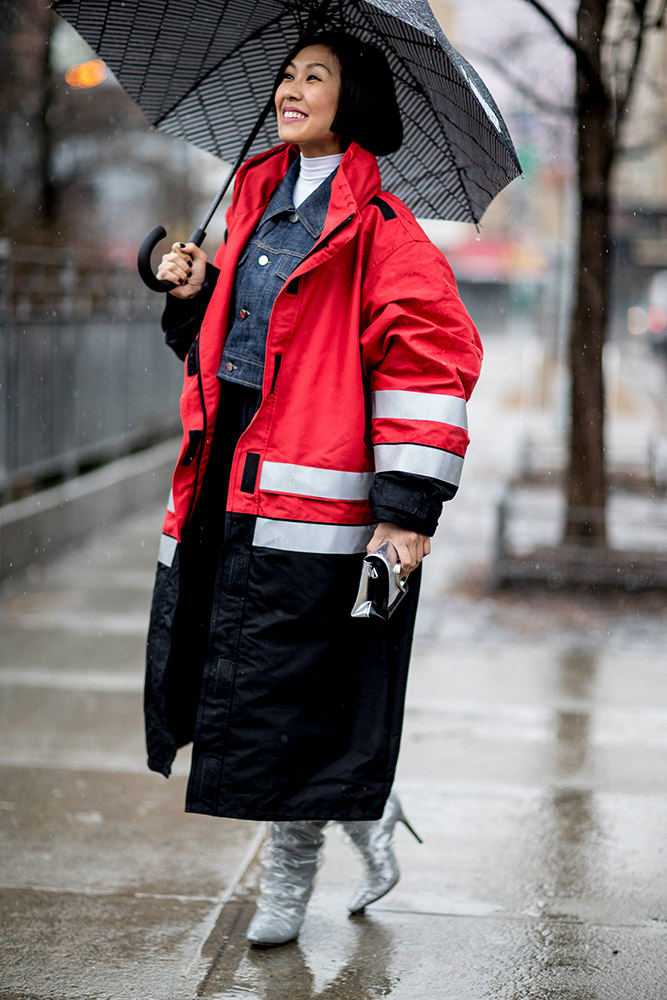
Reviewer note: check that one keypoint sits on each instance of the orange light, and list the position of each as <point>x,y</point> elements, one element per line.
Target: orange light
<point>88,74</point>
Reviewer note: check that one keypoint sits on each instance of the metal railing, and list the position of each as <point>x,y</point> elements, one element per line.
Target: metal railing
<point>85,374</point>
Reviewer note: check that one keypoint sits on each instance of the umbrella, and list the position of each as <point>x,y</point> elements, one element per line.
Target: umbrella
<point>202,70</point>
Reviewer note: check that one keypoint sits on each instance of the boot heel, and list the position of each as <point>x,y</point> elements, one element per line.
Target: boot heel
<point>374,841</point>
<point>404,820</point>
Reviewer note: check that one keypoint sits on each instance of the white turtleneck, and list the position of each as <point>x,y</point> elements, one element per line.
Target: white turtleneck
<point>313,170</point>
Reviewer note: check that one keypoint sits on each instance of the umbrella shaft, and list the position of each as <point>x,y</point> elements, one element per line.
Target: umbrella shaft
<point>199,234</point>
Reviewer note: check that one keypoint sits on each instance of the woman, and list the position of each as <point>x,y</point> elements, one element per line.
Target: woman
<point>328,359</point>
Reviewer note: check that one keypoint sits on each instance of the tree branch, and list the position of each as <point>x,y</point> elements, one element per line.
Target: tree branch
<point>521,87</point>
<point>643,26</point>
<point>583,61</point>
<point>562,34</point>
<point>640,10</point>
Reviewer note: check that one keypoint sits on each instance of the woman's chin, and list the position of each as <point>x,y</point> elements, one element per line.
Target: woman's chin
<point>290,133</point>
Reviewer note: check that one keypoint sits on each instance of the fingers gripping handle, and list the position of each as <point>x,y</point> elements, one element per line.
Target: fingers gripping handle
<point>150,241</point>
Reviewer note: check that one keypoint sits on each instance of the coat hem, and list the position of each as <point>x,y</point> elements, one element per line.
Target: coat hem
<point>291,815</point>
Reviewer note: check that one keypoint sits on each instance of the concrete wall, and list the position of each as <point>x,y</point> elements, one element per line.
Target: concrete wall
<point>37,526</point>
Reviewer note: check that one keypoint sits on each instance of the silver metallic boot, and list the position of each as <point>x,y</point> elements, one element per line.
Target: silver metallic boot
<point>290,864</point>
<point>373,838</point>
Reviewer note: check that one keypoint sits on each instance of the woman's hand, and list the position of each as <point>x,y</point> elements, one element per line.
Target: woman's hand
<point>411,546</point>
<point>186,267</point>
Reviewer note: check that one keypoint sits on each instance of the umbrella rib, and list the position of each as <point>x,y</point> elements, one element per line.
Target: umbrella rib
<point>419,88</point>
<point>118,70</point>
<point>417,125</point>
<point>207,119</point>
<point>451,145</point>
<point>221,16</point>
<point>256,34</point>
<point>107,11</point>
<point>155,39</point>
<point>452,157</point>
<point>176,59</point>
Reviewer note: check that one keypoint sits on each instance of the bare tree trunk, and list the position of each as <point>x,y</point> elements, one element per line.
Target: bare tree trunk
<point>28,195</point>
<point>47,200</point>
<point>586,486</point>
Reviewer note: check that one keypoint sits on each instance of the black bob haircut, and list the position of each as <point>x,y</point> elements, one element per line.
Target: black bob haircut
<point>367,108</point>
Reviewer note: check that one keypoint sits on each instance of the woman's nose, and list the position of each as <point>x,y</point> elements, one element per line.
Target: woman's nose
<point>293,91</point>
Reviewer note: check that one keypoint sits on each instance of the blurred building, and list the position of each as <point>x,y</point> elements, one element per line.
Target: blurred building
<point>641,216</point>
<point>80,165</point>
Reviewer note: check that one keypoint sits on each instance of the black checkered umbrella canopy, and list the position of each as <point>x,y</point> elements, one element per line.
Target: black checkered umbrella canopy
<point>203,70</point>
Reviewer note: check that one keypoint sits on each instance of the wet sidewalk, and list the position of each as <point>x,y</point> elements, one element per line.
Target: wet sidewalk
<point>534,765</point>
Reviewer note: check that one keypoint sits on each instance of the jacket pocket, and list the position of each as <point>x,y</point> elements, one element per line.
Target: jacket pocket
<point>192,448</point>
<point>250,472</point>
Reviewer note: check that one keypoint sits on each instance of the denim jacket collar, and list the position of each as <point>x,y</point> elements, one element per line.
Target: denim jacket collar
<point>312,212</point>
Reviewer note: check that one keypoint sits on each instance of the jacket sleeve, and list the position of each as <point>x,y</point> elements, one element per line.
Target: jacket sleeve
<point>182,318</point>
<point>422,355</point>
<point>413,502</point>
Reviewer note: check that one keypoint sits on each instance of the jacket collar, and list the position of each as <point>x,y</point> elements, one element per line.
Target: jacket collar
<point>312,212</point>
<point>356,181</point>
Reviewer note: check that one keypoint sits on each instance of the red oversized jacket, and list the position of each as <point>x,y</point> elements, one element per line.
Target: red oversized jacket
<point>370,359</point>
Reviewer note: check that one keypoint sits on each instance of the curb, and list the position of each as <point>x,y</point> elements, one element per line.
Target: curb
<point>38,526</point>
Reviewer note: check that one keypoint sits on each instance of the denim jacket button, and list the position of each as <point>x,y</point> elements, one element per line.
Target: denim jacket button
<point>263,260</point>
<point>293,217</point>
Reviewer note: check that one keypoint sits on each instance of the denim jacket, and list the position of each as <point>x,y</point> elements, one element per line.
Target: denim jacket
<point>281,240</point>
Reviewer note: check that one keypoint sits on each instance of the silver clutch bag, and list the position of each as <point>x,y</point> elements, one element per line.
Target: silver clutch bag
<point>381,588</point>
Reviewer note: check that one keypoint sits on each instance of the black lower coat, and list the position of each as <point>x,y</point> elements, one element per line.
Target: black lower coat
<point>294,708</point>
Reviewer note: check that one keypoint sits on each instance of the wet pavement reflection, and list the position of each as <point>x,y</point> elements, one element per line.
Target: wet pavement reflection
<point>363,973</point>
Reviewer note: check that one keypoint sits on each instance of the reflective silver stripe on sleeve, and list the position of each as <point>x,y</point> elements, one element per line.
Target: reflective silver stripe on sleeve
<point>170,503</point>
<point>305,480</point>
<point>420,406</point>
<point>419,460</point>
<point>167,550</point>
<point>304,536</point>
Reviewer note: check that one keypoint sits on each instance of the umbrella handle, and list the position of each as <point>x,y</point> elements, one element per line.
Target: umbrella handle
<point>149,243</point>
<point>158,233</point>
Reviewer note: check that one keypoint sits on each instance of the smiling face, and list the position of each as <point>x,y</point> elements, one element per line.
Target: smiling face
<point>307,101</point>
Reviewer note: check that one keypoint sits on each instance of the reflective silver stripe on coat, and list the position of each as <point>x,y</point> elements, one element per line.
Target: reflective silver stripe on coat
<point>167,550</point>
<point>419,460</point>
<point>420,406</point>
<point>305,480</point>
<point>304,536</point>
<point>170,503</point>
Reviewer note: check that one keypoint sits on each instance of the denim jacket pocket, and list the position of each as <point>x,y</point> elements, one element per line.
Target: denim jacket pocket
<point>289,260</point>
